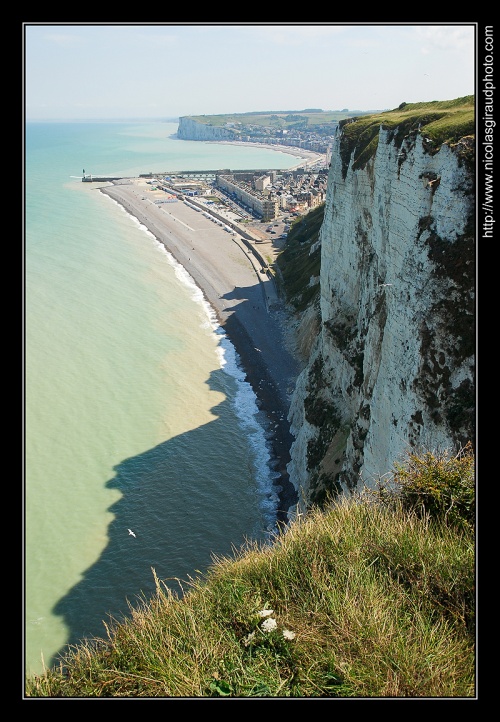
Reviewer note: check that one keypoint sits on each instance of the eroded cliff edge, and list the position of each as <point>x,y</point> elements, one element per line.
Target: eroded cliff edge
<point>392,368</point>
<point>191,129</point>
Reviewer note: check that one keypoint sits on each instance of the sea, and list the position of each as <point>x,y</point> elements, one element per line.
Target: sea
<point>145,455</point>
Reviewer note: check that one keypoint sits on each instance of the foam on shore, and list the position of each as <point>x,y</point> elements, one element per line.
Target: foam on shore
<point>262,374</point>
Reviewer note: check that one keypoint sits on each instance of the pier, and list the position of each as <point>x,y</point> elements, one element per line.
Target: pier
<point>88,178</point>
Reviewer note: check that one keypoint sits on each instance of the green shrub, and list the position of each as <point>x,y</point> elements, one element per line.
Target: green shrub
<point>438,485</point>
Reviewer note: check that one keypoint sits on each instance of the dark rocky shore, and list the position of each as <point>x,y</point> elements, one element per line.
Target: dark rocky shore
<point>273,405</point>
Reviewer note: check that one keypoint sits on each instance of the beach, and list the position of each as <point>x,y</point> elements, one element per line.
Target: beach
<point>229,272</point>
<point>305,157</point>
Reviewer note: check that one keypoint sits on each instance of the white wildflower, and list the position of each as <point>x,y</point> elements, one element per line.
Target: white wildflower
<point>265,612</point>
<point>269,624</point>
<point>248,638</point>
<point>288,634</point>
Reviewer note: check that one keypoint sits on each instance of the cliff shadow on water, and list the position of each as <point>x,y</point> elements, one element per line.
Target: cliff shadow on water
<point>182,510</point>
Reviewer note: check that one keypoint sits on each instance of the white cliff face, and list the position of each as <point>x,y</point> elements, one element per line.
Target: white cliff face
<point>392,370</point>
<point>190,129</point>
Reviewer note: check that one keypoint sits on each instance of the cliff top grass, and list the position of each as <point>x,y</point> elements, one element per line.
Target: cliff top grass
<point>372,596</point>
<point>446,121</point>
<point>284,119</point>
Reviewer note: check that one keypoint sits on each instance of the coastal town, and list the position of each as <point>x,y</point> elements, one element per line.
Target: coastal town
<point>263,196</point>
<point>312,130</point>
<point>253,197</point>
<point>257,207</point>
<point>319,139</point>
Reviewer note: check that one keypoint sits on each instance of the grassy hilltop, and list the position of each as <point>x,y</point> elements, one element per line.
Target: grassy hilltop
<point>447,121</point>
<point>315,120</point>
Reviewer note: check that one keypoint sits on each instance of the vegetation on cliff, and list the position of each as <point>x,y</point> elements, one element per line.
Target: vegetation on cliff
<point>447,121</point>
<point>373,596</point>
<point>300,261</point>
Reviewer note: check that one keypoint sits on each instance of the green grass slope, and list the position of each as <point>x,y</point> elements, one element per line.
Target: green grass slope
<point>439,121</point>
<point>371,597</point>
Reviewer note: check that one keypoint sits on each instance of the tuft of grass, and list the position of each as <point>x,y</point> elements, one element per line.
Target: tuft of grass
<point>368,597</point>
<point>438,484</point>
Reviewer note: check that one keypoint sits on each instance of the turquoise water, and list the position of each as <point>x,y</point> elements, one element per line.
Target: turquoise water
<point>136,412</point>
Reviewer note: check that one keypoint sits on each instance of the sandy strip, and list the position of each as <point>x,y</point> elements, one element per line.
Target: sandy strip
<point>304,156</point>
<point>252,317</point>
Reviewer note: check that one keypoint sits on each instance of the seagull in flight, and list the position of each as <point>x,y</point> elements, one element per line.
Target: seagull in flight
<point>131,532</point>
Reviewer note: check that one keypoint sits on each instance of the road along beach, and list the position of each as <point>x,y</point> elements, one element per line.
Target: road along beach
<point>244,300</point>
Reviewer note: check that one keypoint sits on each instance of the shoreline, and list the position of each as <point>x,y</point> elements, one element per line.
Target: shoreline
<point>305,156</point>
<point>229,277</point>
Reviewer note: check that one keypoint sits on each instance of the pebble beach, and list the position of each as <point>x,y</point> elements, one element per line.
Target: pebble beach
<point>244,300</point>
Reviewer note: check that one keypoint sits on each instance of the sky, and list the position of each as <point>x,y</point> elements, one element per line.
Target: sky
<point>119,71</point>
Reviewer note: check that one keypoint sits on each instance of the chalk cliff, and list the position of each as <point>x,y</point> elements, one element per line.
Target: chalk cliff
<point>393,366</point>
<point>190,129</point>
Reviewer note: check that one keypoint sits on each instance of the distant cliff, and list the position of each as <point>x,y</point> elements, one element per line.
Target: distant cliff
<point>392,367</point>
<point>190,129</point>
